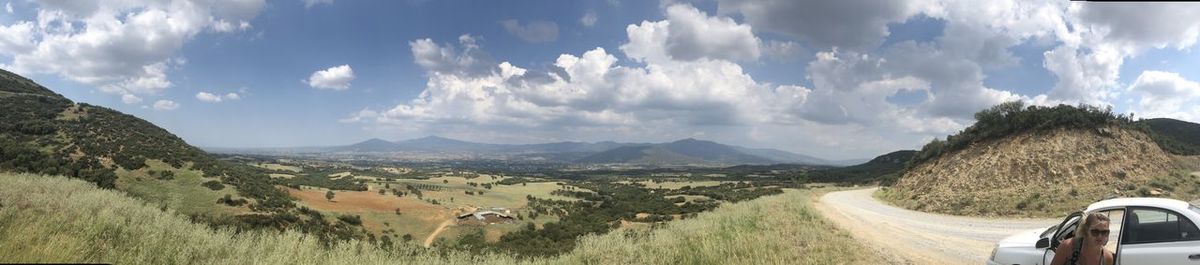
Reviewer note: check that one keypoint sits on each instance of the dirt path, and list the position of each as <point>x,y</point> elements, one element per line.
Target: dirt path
<point>916,237</point>
<point>432,236</point>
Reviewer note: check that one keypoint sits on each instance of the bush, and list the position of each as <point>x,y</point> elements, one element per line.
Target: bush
<point>1014,117</point>
<point>350,219</point>
<point>213,184</point>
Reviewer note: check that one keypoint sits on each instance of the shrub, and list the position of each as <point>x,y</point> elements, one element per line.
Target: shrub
<point>350,219</point>
<point>213,184</point>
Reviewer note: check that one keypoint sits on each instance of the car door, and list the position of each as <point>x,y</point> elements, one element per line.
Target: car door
<point>1062,231</point>
<point>1067,230</point>
<point>1159,236</point>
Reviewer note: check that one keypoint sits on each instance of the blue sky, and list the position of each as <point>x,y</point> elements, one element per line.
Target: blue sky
<point>838,80</point>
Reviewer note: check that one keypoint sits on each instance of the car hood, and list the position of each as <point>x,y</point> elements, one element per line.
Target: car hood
<point>1026,238</point>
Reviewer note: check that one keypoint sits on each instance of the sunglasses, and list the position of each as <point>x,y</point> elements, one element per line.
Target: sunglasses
<point>1098,232</point>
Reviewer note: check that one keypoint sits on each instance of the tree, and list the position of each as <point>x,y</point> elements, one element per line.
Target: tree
<point>329,195</point>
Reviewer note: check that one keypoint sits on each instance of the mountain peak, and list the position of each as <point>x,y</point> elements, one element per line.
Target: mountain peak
<point>375,140</point>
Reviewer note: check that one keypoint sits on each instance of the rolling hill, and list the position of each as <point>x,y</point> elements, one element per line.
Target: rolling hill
<point>885,168</point>
<point>682,152</point>
<point>1040,161</point>
<point>1175,136</point>
<point>46,133</point>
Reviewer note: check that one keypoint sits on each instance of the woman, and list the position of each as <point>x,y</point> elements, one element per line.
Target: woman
<point>1093,234</point>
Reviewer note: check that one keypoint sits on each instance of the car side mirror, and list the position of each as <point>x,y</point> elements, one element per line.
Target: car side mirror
<point>1042,243</point>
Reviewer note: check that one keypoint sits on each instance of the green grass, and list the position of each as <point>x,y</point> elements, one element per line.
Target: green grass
<point>56,219</point>
<point>183,193</point>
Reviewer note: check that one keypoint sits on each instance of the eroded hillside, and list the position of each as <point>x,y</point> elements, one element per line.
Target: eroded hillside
<point>1046,170</point>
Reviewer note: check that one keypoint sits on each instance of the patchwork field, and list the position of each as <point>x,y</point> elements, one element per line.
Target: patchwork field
<point>273,166</point>
<point>395,216</point>
<point>674,185</point>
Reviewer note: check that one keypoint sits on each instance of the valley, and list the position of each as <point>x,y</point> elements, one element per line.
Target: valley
<point>599,132</point>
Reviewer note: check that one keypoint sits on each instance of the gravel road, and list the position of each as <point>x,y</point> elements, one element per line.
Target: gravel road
<point>906,236</point>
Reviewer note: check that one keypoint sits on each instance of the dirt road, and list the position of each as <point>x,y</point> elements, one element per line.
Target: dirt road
<point>916,237</point>
<point>432,236</point>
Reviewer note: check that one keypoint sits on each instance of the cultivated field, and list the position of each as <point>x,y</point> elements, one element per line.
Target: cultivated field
<point>674,185</point>
<point>273,166</point>
<point>420,217</point>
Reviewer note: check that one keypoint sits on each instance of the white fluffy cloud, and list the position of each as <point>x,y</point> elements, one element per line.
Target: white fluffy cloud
<point>121,47</point>
<point>164,104</point>
<point>334,78</point>
<point>533,32</point>
<point>214,98</point>
<point>130,99</point>
<point>689,34</point>
<point>1166,94</point>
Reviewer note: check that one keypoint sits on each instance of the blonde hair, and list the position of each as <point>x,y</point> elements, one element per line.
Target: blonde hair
<point>1090,219</point>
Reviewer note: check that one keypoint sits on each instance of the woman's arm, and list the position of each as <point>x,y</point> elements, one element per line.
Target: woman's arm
<point>1063,252</point>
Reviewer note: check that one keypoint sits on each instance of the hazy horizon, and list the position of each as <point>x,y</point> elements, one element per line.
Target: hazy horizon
<point>838,80</point>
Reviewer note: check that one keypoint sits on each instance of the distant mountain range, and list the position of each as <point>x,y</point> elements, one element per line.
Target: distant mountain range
<point>682,152</point>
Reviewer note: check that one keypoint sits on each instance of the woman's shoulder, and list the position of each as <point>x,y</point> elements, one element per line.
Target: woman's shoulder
<point>1109,257</point>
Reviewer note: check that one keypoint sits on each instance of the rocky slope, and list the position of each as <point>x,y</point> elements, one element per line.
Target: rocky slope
<point>1047,172</point>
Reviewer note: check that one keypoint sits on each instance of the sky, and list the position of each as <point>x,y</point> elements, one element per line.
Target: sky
<point>834,79</point>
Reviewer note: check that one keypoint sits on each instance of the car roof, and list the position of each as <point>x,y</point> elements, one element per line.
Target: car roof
<point>1165,203</point>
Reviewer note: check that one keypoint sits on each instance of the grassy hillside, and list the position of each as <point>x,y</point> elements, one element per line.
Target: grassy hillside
<point>1175,136</point>
<point>55,219</point>
<point>885,168</point>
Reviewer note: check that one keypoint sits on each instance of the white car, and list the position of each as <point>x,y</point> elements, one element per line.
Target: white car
<point>1144,231</point>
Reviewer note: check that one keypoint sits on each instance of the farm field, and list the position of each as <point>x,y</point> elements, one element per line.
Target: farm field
<point>395,216</point>
<point>274,166</point>
<point>674,185</point>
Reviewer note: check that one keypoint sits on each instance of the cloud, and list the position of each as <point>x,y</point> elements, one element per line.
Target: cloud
<point>446,59</point>
<point>1166,94</point>
<point>120,47</point>
<point>8,7</point>
<point>588,19</point>
<point>130,99</point>
<point>689,34</point>
<point>533,32</point>
<point>165,105</point>
<point>334,78</point>
<point>16,38</point>
<point>1156,25</point>
<point>848,24</point>
<point>214,98</point>
<point>311,3</point>
<point>690,82</point>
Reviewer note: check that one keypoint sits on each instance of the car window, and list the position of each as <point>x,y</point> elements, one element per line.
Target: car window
<point>1116,218</point>
<point>1150,225</point>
